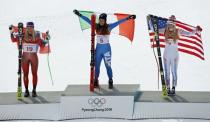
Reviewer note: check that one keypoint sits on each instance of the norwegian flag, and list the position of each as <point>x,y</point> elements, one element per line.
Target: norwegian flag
<point>189,44</point>
<point>43,49</point>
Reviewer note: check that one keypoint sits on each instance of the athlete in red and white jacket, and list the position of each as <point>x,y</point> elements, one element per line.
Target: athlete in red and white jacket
<point>31,42</point>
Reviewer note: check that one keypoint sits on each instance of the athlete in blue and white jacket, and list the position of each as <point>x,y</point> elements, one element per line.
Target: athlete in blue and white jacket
<point>103,48</point>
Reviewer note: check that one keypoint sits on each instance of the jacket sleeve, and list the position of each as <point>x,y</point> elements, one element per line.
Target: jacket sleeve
<point>14,38</point>
<point>39,40</point>
<point>115,24</point>
<point>186,33</point>
<point>86,19</point>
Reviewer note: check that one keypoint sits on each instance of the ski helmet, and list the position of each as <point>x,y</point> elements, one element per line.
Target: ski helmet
<point>171,20</point>
<point>172,17</point>
<point>30,24</point>
<point>103,16</point>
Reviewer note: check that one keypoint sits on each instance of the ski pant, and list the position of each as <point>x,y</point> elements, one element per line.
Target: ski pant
<point>103,51</point>
<point>27,60</point>
<point>171,58</point>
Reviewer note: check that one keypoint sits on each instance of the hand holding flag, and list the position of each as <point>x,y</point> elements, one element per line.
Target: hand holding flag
<point>198,28</point>
<point>132,17</point>
<point>77,12</point>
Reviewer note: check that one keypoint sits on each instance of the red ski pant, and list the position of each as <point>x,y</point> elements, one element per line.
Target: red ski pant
<point>27,60</point>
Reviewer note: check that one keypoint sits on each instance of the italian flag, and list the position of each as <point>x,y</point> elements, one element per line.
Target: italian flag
<point>125,29</point>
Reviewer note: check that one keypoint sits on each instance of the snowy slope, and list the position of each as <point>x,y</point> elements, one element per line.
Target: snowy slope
<point>70,57</point>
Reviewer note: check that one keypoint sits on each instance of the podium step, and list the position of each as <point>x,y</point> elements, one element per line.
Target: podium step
<point>180,97</point>
<point>43,98</point>
<point>118,90</point>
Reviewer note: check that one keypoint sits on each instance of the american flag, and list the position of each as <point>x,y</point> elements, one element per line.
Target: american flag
<point>191,45</point>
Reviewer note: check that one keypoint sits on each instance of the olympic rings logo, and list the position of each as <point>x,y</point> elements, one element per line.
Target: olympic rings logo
<point>96,102</point>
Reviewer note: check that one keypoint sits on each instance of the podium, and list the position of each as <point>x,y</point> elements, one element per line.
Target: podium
<point>79,102</point>
<point>125,101</point>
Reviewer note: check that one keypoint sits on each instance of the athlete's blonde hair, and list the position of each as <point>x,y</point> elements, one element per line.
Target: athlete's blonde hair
<point>26,37</point>
<point>168,34</point>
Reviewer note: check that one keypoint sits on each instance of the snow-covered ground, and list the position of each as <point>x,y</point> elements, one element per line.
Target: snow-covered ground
<point>70,57</point>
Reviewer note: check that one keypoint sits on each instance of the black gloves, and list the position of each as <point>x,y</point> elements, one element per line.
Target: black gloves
<point>131,17</point>
<point>10,27</point>
<point>48,35</point>
<point>198,28</point>
<point>11,31</point>
<point>77,13</point>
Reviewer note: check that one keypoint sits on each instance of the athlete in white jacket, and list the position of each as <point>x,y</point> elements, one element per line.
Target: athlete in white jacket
<point>171,53</point>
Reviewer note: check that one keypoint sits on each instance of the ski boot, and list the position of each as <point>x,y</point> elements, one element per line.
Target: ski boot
<point>173,91</point>
<point>26,94</point>
<point>110,84</point>
<point>168,91</point>
<point>96,84</point>
<point>34,93</point>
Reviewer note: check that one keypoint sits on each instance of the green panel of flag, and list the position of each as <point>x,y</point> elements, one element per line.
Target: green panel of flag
<point>84,25</point>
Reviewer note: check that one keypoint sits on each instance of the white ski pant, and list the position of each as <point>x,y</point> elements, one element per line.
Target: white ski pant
<point>171,58</point>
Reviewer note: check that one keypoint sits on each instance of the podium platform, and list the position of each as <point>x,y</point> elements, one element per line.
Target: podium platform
<point>184,105</point>
<point>79,102</point>
<point>180,97</point>
<point>118,90</point>
<point>125,101</point>
<point>43,98</point>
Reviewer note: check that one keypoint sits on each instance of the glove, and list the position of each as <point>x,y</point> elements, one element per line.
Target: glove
<point>11,29</point>
<point>77,12</point>
<point>48,36</point>
<point>131,17</point>
<point>198,28</point>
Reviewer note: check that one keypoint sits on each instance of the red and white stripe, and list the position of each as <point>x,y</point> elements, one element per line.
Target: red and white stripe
<point>187,44</point>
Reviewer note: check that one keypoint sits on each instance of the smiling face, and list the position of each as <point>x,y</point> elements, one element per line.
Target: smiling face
<point>102,22</point>
<point>30,30</point>
<point>171,28</point>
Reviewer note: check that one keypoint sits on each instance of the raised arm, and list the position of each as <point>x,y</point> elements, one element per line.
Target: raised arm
<point>115,24</point>
<point>81,16</point>
<point>86,19</point>
<point>42,38</point>
<point>13,36</point>
<point>187,33</point>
